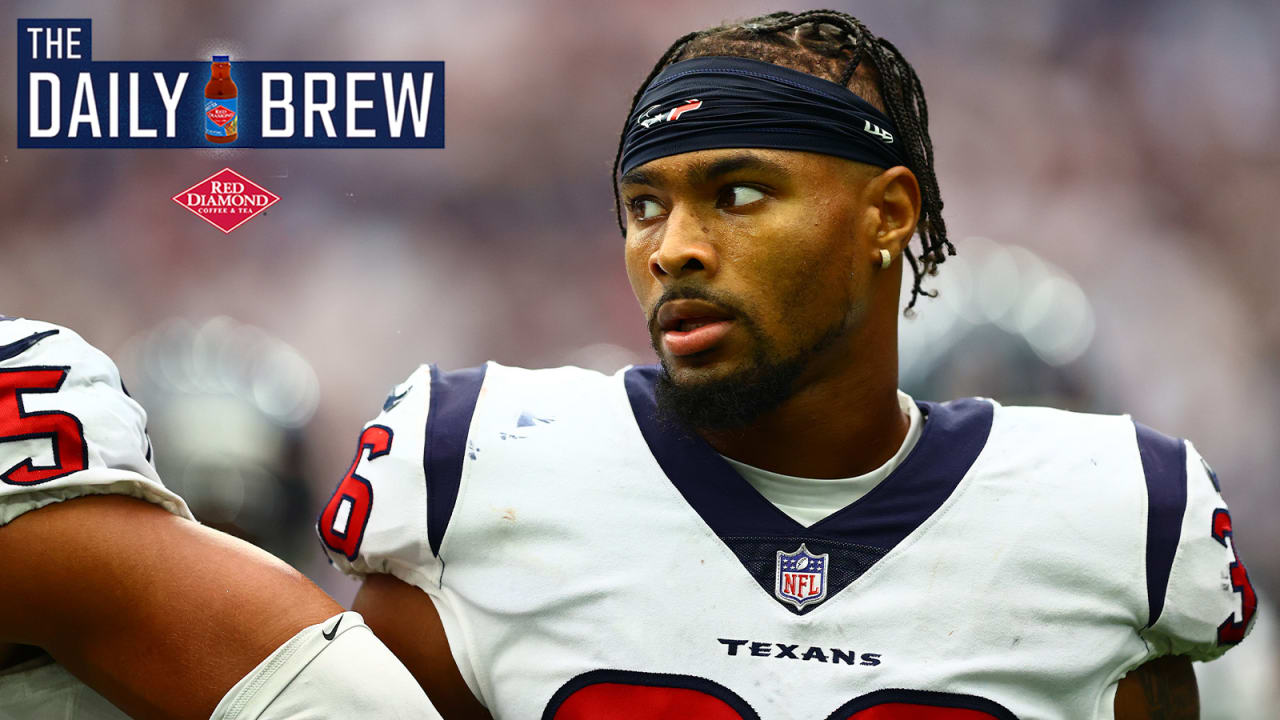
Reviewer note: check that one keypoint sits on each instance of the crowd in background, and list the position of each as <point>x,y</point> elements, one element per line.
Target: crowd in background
<point>1109,172</point>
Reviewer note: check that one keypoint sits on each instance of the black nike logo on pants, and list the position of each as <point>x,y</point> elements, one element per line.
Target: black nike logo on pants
<point>333,631</point>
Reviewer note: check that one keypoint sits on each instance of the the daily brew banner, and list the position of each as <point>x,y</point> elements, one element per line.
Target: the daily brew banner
<point>67,100</point>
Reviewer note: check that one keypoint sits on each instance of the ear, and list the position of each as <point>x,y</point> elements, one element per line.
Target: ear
<point>892,200</point>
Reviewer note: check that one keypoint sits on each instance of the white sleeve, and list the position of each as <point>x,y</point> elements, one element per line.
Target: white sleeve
<point>376,520</point>
<point>1210,603</point>
<point>386,515</point>
<point>336,669</point>
<point>67,426</point>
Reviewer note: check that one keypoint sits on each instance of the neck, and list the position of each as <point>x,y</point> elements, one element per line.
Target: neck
<point>843,420</point>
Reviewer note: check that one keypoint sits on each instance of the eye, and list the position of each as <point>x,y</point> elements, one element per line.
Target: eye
<point>645,208</point>
<point>739,195</point>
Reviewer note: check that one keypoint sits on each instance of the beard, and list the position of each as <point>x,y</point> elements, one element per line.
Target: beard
<point>741,397</point>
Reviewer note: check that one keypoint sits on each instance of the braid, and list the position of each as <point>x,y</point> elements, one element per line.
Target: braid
<point>834,45</point>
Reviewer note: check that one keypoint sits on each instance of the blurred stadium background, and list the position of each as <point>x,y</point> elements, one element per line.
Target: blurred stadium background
<point>1109,170</point>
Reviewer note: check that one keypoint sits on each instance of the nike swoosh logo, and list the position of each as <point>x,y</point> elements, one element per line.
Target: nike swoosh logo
<point>394,400</point>
<point>18,347</point>
<point>333,631</point>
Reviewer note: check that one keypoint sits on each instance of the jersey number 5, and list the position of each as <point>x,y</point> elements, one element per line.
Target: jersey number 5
<point>63,430</point>
<point>343,519</point>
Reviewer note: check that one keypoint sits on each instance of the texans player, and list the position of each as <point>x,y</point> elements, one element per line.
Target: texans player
<point>107,573</point>
<point>764,526</point>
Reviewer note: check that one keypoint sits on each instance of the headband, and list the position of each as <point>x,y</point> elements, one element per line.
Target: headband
<point>729,102</point>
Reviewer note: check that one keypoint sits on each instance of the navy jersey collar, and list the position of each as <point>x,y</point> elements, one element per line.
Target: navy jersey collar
<point>953,435</point>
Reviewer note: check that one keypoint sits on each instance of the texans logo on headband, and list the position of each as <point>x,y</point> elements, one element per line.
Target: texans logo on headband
<point>651,116</point>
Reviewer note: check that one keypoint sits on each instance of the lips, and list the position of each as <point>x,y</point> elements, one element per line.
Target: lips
<point>692,326</point>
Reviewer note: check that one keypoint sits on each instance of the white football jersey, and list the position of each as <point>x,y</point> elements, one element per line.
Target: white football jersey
<point>67,425</point>
<point>590,559</point>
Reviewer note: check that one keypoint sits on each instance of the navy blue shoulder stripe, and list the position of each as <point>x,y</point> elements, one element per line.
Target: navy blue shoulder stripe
<point>1164,463</point>
<point>453,402</point>
<point>17,347</point>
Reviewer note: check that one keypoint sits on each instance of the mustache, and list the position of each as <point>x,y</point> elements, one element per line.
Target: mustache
<point>693,292</point>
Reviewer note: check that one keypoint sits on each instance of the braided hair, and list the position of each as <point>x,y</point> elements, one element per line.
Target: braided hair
<point>834,46</point>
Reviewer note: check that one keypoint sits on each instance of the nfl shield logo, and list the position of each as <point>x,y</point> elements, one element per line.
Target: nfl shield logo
<point>801,577</point>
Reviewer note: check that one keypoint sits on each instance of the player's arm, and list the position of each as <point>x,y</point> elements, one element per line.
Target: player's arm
<point>404,618</point>
<point>1163,689</point>
<point>159,614</point>
<point>169,619</point>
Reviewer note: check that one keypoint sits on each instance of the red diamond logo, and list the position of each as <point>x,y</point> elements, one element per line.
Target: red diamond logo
<point>220,115</point>
<point>226,199</point>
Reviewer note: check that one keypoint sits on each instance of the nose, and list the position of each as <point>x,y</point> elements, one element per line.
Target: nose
<point>684,248</point>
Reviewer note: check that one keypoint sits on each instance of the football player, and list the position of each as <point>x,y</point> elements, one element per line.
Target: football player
<point>107,573</point>
<point>764,526</point>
